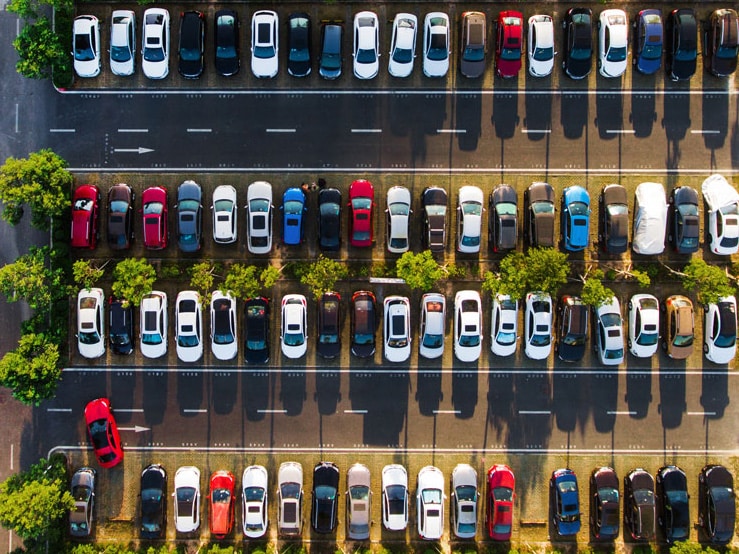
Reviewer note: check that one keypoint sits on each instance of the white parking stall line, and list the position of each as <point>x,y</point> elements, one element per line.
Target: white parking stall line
<point>536,131</point>
<point>366,130</point>
<point>16,118</point>
<point>60,410</point>
<point>621,412</point>
<point>195,410</point>
<point>452,131</point>
<point>199,130</point>
<point>272,411</point>
<point>355,411</point>
<point>620,131</point>
<point>447,411</point>
<point>534,412</point>
<point>702,413</point>
<point>133,130</point>
<point>278,130</point>
<point>705,132</point>
<point>130,410</point>
<point>12,452</point>
<point>62,130</point>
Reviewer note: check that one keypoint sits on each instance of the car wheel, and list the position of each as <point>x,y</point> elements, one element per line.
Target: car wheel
<point>664,346</point>
<point>705,308</point>
<point>705,348</point>
<point>629,343</point>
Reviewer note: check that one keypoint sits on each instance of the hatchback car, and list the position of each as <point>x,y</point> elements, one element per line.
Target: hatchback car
<point>469,219</point>
<point>572,328</point>
<point>575,218</point>
<point>716,503</point>
<point>464,501</point>
<point>366,51</point>
<point>90,323</point>
<point>681,44</point>
<point>648,41</point>
<point>436,44</point>
<point>225,220</point>
<point>474,45</point>
<point>504,325</point>
<point>102,431</point>
<point>565,502</point>
<point>541,45</point>
<point>614,219</point>
<point>299,44</point>
<point>722,42</point>
<point>264,44</point>
<point>719,328</point>
<point>509,44</point>
<point>293,212</point>
<point>329,325</point>
<point>156,232</point>
<point>467,325</point>
<point>684,220</point>
<point>254,501</point>
<point>293,331</point>
<point>188,326</point>
<point>503,220</point>
<point>223,331</point>
<point>538,325</point>
<point>639,505</point>
<point>361,217</point>
<point>433,318</point>
<point>643,325</point>
<point>578,42</point>
<point>120,216</point>
<point>222,501</point>
<point>120,326</point>
<point>396,329</point>
<point>290,499</point>
<point>259,217</point>
<point>679,327</point>
<point>673,506</point>
<point>358,502</point>
<point>256,336</point>
<point>430,503</point>
<point>82,486</point>
<point>153,502</point>
<point>613,37</point>
<point>722,204</point>
<point>363,323</point>
<point>189,216</point>
<point>86,45</point>
<point>394,497</point>
<point>539,210</point>
<point>155,43</point>
<point>325,506</point>
<point>398,219</point>
<point>192,44</point>
<point>122,42</point>
<point>331,61</point>
<point>500,495</point>
<point>329,219</point>
<point>434,200</point>
<point>85,214</point>
<point>186,499</point>
<point>604,504</point>
<point>403,45</point>
<point>153,324</point>
<point>227,60</point>
<point>609,337</point>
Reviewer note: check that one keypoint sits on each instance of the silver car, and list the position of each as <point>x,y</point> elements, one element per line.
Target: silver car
<point>464,501</point>
<point>290,499</point>
<point>83,492</point>
<point>358,502</point>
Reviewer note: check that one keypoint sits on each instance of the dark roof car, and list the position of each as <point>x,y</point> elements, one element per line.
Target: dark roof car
<point>673,506</point>
<point>614,215</point>
<point>565,502</point>
<point>575,218</point>
<point>578,42</point>
<point>363,323</point>
<point>156,233</point>
<point>153,499</point>
<point>189,216</point>
<point>503,222</point>
<point>329,325</point>
<point>192,43</point>
<point>683,220</point>
<point>83,493</point>
<point>681,44</point>
<point>572,329</point>
<point>434,200</point>
<point>539,209</point>
<point>120,216</point>
<point>329,219</point>
<point>298,44</point>
<point>102,431</point>
<point>639,504</point>
<point>648,41</point>
<point>85,212</point>
<point>256,335</point>
<point>509,44</point>
<point>325,506</point>
<point>120,316</point>
<point>474,36</point>
<point>329,63</point>
<point>716,503</point>
<point>722,43</point>
<point>604,504</point>
<point>227,60</point>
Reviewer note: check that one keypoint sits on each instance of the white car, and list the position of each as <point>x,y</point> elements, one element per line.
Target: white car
<point>259,217</point>
<point>430,503</point>
<point>254,500</point>
<point>396,328</point>
<point>469,219</point>
<point>464,501</point>
<point>223,332</point>
<point>155,43</point>
<point>541,45</point>
<point>609,334</point>
<point>224,214</point>
<point>366,45</point>
<point>398,219</point>
<point>467,325</point>
<point>719,328</point>
<point>358,502</point>
<point>122,42</point>
<point>90,323</point>
<point>722,202</point>
<point>403,45</point>
<point>643,325</point>
<point>187,499</point>
<point>290,499</point>
<point>293,332</point>
<point>538,325</point>
<point>394,497</point>
<point>265,44</point>
<point>433,318</point>
<point>613,38</point>
<point>504,325</point>
<point>188,326</point>
<point>153,326</point>
<point>86,45</point>
<point>436,44</point>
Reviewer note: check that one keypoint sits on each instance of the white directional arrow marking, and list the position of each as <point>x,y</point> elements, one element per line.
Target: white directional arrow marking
<point>139,150</point>
<point>136,428</point>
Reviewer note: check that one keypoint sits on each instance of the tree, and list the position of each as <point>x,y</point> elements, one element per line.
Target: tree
<point>32,370</point>
<point>419,271</point>
<point>241,281</point>
<point>321,275</point>
<point>709,282</point>
<point>29,279</point>
<point>544,269</point>
<point>86,273</point>
<point>270,275</point>
<point>594,293</point>
<point>133,278</point>
<point>627,272</point>
<point>202,277</point>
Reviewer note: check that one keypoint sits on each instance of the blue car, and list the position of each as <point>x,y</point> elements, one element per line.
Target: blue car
<point>576,218</point>
<point>565,502</point>
<point>648,41</point>
<point>293,208</point>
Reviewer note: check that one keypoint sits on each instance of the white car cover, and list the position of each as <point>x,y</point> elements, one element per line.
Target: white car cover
<point>650,219</point>
<point>718,192</point>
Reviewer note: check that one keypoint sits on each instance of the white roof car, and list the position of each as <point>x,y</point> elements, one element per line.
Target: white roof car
<point>613,35</point>
<point>290,499</point>
<point>394,497</point>
<point>86,45</point>
<point>155,43</point>
<point>366,45</point>
<point>223,332</point>
<point>541,45</point>
<point>719,328</point>
<point>433,318</point>
<point>122,42</point>
<point>469,219</point>
<point>722,201</point>
<point>358,502</point>
<point>265,42</point>
<point>504,325</point>
<point>398,216</point>
<point>464,501</point>
<point>188,326</point>
<point>538,325</point>
<point>467,325</point>
<point>650,219</point>
<point>224,214</point>
<point>403,45</point>
<point>430,503</point>
<point>187,499</point>
<point>293,332</point>
<point>396,328</point>
<point>436,44</point>
<point>153,326</point>
<point>609,333</point>
<point>254,500</point>
<point>90,323</point>
<point>643,325</point>
<point>259,217</point>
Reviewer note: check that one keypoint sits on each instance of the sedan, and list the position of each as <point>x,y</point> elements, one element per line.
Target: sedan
<point>430,503</point>
<point>398,219</point>
<point>120,326</point>
<point>679,327</point>
<point>639,504</point>
<point>673,508</point>
<point>86,45</point>
<point>223,332</point>
<point>192,44</point>
<point>716,503</point>
<point>503,221</point>
<point>256,336</point>
<point>396,330</point>
<point>224,208</point>
<point>102,431</point>
<point>227,60</point>
<point>186,499</point>
<point>499,514</point>
<point>120,216</point>
<point>325,505</point>
<point>464,501</point>
<point>90,323</point>
<point>539,210</point>
<point>259,217</point>
<point>436,44</point>
<point>720,42</point>
<point>264,44</point>
<point>254,501</point>
<point>719,327</point>
<point>469,219</point>
<point>509,44</point>
<point>153,325</point>
<point>541,45</point>
<point>293,211</point>
<point>473,47</point>
<point>433,318</point>
<point>613,32</point>
<point>83,493</point>
<point>575,218</point>
<point>222,502</point>
<point>361,204</point>
<point>643,325</point>
<point>290,499</point>
<point>298,44</point>
<point>329,325</point>
<point>293,331</point>
<point>363,323</point>
<point>329,219</point>
<point>85,213</point>
<point>648,41</point>
<point>434,200</point>
<point>394,497</point>
<point>155,43</point>
<point>572,328</point>
<point>153,504</point>
<point>609,336</point>
<point>467,325</point>
<point>156,232</point>
<point>188,326</point>
<point>722,203</point>
<point>189,216</point>
<point>578,42</point>
<point>358,502</point>
<point>604,506</point>
<point>565,502</point>
<point>538,325</point>
<point>504,325</point>
<point>403,45</point>
<point>681,44</point>
<point>684,220</point>
<point>331,61</point>
<point>122,42</point>
<point>366,45</point>
<point>614,223</point>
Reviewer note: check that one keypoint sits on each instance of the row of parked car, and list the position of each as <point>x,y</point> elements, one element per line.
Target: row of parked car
<point>679,35</point>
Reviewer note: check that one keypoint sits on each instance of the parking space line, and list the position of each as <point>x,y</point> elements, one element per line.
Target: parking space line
<point>702,413</point>
<point>195,410</point>
<point>704,132</point>
<point>199,130</point>
<point>277,130</point>
<point>534,412</point>
<point>355,411</point>
<point>620,131</point>
<point>16,118</point>
<point>536,130</point>
<point>455,131</point>
<point>133,130</point>
<point>12,449</point>
<point>62,130</point>
<point>366,130</point>
<point>272,411</point>
<point>130,410</point>
<point>62,410</point>
<point>621,412</point>
<point>447,411</point>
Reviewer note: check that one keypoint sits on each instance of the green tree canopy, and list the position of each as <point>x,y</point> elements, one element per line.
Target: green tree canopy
<point>86,273</point>
<point>133,278</point>
<point>202,277</point>
<point>594,293</point>
<point>544,269</point>
<point>28,278</point>
<point>419,271</point>
<point>709,282</point>
<point>241,281</point>
<point>321,275</point>
<point>32,370</point>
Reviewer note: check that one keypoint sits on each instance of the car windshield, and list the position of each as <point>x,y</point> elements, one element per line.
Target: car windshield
<point>644,497</point>
<point>220,496</point>
<point>472,208</point>
<point>543,54</point>
<point>83,48</point>
<point>359,492</point>
<point>578,208</point>
<point>293,339</point>
<point>466,492</point>
<point>88,337</point>
<point>153,208</point>
<point>253,494</point>
<point>325,492</point>
<point>82,493</point>
<point>608,494</point>
<point>432,341</point>
<point>683,340</point>
<point>120,54</point>
<point>259,205</point>
<point>151,496</point>
<point>469,340</point>
<point>189,54</point>
<point>399,208</point>
<point>396,499</point>
<point>727,52</point>
<point>511,54</point>
<point>648,337</point>
<point>616,54</point>
<point>431,496</point>
<point>293,207</point>
<point>189,340</point>
<point>652,51</point>
<point>403,55</point>
<point>361,203</point>
<point>504,338</point>
<point>290,490</point>
<point>366,55</point>
<point>437,49</point>
<point>153,53</point>
<point>118,206</point>
<point>542,207</point>
<point>474,54</point>
<point>99,433</point>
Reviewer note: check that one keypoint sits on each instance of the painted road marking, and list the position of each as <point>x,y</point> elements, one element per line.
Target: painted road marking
<point>61,130</point>
<point>366,130</point>
<point>355,411</point>
<point>620,131</point>
<point>200,130</point>
<point>535,412</point>
<point>536,130</point>
<point>195,410</point>
<point>621,412</point>
<point>130,410</point>
<point>272,411</point>
<point>133,130</point>
<point>704,132</point>
<point>62,410</point>
<point>447,411</point>
<point>702,413</point>
<point>273,130</point>
<point>457,131</point>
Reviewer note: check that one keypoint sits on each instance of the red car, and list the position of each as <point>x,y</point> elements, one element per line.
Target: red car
<point>508,44</point>
<point>156,231</point>
<point>222,485</point>
<point>103,432</point>
<point>499,513</point>
<point>361,203</point>
<point>85,208</point>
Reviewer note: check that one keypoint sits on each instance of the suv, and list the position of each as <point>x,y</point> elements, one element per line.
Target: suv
<point>722,41</point>
<point>120,316</point>
<point>572,329</point>
<point>539,209</point>
<point>329,325</point>
<point>678,339</point>
<point>363,323</point>
<point>472,60</point>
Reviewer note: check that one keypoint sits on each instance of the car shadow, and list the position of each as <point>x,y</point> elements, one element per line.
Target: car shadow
<point>224,390</point>
<point>293,390</point>
<point>468,120</point>
<point>328,391</point>
<point>255,394</point>
<point>715,391</point>
<point>190,386</point>
<point>154,393</point>
<point>638,390</point>
<point>382,399</point>
<point>505,110</point>
<point>672,405</point>
<point>464,391</point>
<point>428,390</point>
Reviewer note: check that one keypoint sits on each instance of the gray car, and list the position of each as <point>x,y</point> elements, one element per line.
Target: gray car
<point>472,60</point>
<point>358,502</point>
<point>503,222</point>
<point>189,216</point>
<point>539,201</point>
<point>329,65</point>
<point>83,491</point>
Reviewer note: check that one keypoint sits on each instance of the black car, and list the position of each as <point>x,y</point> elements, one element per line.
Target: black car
<point>539,208</point>
<point>681,44</point>
<point>578,42</point>
<point>153,498</point>
<point>189,216</point>
<point>227,60</point>
<point>325,506</point>
<point>434,201</point>
<point>329,325</point>
<point>329,219</point>
<point>614,219</point>
<point>673,508</point>
<point>121,326</point>
<point>363,323</point>
<point>604,504</point>
<point>716,503</point>
<point>572,329</point>
<point>639,504</point>
<point>192,42</point>
<point>120,216</point>
<point>256,336</point>
<point>329,64</point>
<point>503,223</point>
<point>722,43</point>
<point>683,220</point>
<point>298,44</point>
